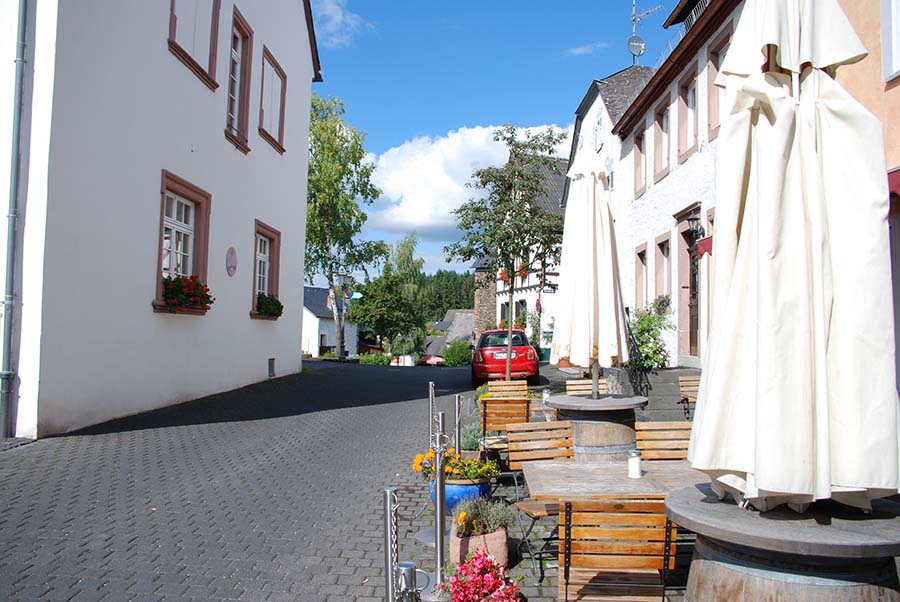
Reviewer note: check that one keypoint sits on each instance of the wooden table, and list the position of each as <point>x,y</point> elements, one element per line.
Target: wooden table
<point>549,480</point>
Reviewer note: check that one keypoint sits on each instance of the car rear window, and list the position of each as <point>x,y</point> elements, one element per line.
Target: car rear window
<point>499,339</point>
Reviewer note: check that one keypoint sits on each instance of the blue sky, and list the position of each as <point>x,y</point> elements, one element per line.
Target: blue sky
<point>428,82</point>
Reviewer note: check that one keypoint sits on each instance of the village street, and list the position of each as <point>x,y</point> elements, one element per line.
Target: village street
<point>271,492</point>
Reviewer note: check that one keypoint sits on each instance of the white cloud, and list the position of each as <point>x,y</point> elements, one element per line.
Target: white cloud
<point>587,48</point>
<point>335,25</point>
<point>423,180</point>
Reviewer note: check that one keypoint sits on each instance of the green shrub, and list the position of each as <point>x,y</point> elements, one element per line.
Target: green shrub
<point>458,353</point>
<point>648,326</point>
<point>375,359</point>
<point>469,437</point>
<point>328,354</point>
<point>268,305</point>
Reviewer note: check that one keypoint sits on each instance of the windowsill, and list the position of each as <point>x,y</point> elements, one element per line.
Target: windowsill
<point>257,316</point>
<point>713,133</point>
<point>271,140</point>
<point>160,307</point>
<point>182,55</point>
<point>687,154</point>
<point>660,175</point>
<point>240,144</point>
<point>640,192</point>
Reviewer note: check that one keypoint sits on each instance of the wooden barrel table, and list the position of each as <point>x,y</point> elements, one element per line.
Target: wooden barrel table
<point>603,429</point>
<point>831,553</point>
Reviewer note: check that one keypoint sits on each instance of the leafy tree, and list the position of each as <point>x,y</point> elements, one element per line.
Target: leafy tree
<point>648,326</point>
<point>505,225</point>
<point>383,308</point>
<point>339,180</point>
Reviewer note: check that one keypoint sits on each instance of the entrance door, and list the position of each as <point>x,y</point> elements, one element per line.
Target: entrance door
<point>694,302</point>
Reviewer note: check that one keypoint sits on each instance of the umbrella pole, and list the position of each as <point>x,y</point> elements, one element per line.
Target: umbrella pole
<point>595,380</point>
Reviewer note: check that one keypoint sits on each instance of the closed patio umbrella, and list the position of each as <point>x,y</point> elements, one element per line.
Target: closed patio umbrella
<point>590,323</point>
<point>798,399</point>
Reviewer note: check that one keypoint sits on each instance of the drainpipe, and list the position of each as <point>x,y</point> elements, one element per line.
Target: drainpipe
<point>6,373</point>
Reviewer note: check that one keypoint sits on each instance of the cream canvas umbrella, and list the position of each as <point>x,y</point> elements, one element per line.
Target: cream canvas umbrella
<point>589,330</point>
<point>798,398</point>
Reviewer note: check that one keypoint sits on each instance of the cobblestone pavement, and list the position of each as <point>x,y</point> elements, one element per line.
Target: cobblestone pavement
<point>268,493</point>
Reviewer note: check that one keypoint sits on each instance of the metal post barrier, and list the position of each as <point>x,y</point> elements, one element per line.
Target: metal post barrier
<point>457,410</point>
<point>390,543</point>
<point>439,502</point>
<point>431,416</point>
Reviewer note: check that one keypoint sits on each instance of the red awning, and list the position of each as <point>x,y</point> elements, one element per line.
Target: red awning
<point>704,246</point>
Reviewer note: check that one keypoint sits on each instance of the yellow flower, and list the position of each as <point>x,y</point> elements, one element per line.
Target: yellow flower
<point>430,454</point>
<point>451,450</point>
<point>462,518</point>
<point>455,471</point>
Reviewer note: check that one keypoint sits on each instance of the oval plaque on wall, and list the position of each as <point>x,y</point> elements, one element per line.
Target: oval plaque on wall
<point>231,261</point>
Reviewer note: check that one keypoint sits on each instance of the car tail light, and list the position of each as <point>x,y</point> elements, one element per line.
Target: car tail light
<point>478,357</point>
<point>531,355</point>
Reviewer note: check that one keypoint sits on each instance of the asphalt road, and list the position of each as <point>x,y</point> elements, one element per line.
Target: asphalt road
<point>271,492</point>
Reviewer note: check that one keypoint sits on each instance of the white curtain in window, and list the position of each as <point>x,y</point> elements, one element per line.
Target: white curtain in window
<point>271,99</point>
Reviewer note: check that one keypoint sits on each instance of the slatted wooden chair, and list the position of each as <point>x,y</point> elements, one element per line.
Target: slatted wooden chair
<point>688,386</point>
<point>496,413</point>
<point>507,388</point>
<point>583,386</point>
<point>663,440</point>
<point>615,549</point>
<point>530,442</point>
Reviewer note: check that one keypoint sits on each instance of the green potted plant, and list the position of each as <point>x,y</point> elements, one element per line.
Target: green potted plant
<point>481,523</point>
<point>268,305</point>
<point>469,438</point>
<point>184,293</point>
<point>463,479</point>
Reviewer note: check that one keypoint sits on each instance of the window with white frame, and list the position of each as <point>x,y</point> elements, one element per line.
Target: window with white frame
<point>640,181</point>
<point>193,36</point>
<point>598,131</point>
<point>612,180</point>
<point>890,34</point>
<point>661,141</point>
<point>183,246</point>
<point>271,106</point>
<point>238,91</point>
<point>266,261</point>
<point>687,117</point>
<point>178,236</point>
<point>262,264</point>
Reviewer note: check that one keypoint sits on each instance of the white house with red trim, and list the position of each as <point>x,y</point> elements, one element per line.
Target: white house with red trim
<point>158,139</point>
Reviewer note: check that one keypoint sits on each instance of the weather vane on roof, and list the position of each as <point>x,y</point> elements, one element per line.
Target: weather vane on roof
<point>636,45</point>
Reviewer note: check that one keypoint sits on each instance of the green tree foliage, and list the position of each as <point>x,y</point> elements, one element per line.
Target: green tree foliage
<point>458,353</point>
<point>384,309</point>
<point>374,359</point>
<point>339,182</point>
<point>505,225</point>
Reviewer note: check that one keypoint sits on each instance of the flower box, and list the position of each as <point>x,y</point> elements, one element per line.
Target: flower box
<point>496,544</point>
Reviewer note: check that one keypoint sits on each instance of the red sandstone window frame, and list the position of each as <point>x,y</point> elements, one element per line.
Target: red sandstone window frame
<point>239,137</point>
<point>641,281</point>
<point>206,74</point>
<point>685,151</point>
<point>712,71</point>
<point>274,236</point>
<point>662,265</point>
<point>202,201</point>
<point>640,183</point>
<point>661,151</point>
<point>276,140</point>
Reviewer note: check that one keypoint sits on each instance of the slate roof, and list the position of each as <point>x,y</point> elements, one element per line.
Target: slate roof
<point>315,299</point>
<point>554,183</point>
<point>620,89</point>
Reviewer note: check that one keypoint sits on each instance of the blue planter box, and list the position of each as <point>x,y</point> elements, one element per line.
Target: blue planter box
<point>457,491</point>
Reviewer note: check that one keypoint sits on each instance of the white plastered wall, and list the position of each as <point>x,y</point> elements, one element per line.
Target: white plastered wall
<point>643,220</point>
<point>124,109</point>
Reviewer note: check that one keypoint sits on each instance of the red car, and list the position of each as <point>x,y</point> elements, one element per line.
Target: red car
<point>489,359</point>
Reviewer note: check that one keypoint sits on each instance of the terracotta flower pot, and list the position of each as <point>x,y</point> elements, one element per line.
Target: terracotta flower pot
<point>469,454</point>
<point>495,543</point>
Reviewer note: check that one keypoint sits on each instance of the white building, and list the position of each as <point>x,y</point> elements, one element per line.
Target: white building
<point>666,176</point>
<point>158,138</point>
<point>319,331</point>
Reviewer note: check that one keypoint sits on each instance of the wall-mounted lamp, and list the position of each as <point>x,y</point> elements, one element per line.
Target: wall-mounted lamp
<point>696,230</point>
